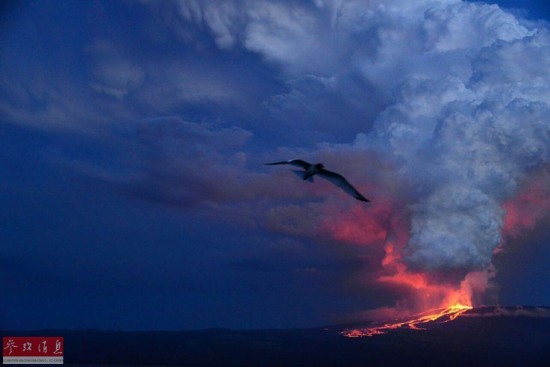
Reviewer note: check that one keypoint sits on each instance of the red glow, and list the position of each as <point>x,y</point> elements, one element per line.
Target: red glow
<point>426,291</point>
<point>424,297</point>
<point>445,299</point>
<point>360,225</point>
<point>529,207</point>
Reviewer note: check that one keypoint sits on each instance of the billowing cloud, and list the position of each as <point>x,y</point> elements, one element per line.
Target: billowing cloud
<point>449,84</point>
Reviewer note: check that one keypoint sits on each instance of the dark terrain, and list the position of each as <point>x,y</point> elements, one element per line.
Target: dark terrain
<point>487,336</point>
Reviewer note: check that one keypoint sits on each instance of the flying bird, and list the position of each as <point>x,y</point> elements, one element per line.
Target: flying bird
<point>311,170</point>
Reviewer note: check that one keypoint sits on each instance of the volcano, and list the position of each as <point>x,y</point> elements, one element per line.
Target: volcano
<point>483,336</point>
<point>432,318</point>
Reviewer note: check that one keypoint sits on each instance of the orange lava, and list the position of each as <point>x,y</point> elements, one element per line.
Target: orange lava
<point>416,322</point>
<point>446,295</point>
<point>445,300</point>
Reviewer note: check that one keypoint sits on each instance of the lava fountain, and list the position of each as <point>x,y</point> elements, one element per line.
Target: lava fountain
<point>443,300</point>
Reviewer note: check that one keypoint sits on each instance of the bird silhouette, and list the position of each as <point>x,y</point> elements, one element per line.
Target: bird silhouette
<point>311,170</point>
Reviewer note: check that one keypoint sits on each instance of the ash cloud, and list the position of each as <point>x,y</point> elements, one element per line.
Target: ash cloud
<point>457,96</point>
<point>467,145</point>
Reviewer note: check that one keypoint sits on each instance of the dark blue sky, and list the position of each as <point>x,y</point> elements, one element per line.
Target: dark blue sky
<point>132,188</point>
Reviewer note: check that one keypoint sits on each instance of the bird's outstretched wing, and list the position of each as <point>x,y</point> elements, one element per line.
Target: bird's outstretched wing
<point>294,162</point>
<point>342,183</point>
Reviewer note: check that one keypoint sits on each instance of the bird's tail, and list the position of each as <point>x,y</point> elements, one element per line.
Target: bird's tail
<point>302,175</point>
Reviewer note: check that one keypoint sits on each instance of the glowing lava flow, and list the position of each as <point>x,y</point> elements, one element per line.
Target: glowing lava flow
<point>415,322</point>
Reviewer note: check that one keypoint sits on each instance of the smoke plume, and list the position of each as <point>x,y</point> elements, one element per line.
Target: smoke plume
<point>466,141</point>
<point>448,106</point>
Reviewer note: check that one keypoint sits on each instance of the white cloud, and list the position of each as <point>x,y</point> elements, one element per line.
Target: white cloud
<point>221,18</point>
<point>517,67</point>
<point>468,144</point>
<point>455,226</point>
<point>469,26</point>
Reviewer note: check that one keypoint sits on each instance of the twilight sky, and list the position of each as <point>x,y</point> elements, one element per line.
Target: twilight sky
<point>133,193</point>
